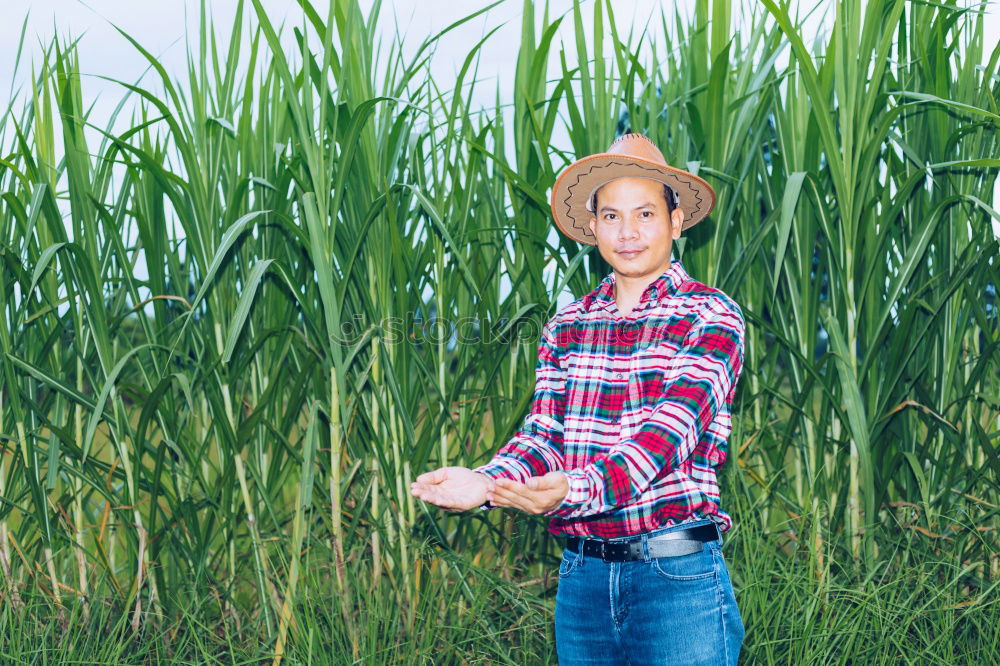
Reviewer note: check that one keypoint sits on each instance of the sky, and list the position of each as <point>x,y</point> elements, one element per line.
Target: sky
<point>163,27</point>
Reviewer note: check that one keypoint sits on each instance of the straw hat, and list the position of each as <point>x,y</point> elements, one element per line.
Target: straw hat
<point>629,155</point>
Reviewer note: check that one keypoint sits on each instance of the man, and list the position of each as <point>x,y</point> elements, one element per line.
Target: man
<point>628,427</point>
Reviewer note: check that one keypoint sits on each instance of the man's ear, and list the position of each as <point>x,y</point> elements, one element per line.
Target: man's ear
<point>593,221</point>
<point>676,220</point>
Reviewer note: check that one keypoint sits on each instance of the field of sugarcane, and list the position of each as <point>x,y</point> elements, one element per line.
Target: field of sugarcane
<point>232,335</point>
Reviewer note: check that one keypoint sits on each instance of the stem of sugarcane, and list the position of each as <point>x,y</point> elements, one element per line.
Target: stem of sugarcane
<point>204,434</point>
<point>376,554</point>
<point>439,266</point>
<point>4,545</point>
<point>395,435</point>
<point>797,467</point>
<point>78,494</point>
<point>853,506</point>
<point>136,516</point>
<point>227,403</point>
<point>757,415</point>
<point>854,490</point>
<point>829,460</point>
<point>302,504</point>
<point>15,598</point>
<point>293,577</point>
<point>22,438</point>
<point>336,454</point>
<point>112,543</point>
<point>411,509</point>
<point>51,566</point>
<point>389,525</point>
<point>811,450</point>
<point>336,448</point>
<point>137,611</point>
<point>818,548</point>
<point>258,551</point>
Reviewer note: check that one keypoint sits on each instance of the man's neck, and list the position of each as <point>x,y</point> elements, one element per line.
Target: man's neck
<point>628,289</point>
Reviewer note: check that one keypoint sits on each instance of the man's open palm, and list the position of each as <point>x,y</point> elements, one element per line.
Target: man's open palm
<point>452,488</point>
<point>538,495</point>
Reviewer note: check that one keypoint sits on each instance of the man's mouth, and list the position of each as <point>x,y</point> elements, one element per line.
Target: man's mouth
<point>629,254</point>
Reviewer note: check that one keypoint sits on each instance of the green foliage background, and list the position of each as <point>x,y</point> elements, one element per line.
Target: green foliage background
<point>348,268</point>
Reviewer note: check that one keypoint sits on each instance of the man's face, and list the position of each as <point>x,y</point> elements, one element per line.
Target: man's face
<point>633,230</point>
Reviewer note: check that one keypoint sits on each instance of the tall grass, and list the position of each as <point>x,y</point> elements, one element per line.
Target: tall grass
<point>346,269</point>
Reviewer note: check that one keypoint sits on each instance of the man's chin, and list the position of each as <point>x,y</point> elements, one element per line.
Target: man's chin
<point>629,268</point>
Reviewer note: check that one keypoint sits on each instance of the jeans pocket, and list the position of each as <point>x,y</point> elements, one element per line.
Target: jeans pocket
<point>569,563</point>
<point>696,566</point>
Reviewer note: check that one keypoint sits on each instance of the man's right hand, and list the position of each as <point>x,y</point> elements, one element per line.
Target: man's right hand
<point>452,488</point>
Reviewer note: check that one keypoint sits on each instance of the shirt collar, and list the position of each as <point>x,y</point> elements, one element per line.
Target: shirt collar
<point>665,285</point>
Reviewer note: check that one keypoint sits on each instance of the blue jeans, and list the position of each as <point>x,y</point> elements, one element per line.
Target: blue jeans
<point>664,610</point>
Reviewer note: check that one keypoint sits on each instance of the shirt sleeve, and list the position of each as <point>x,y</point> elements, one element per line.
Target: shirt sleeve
<point>537,448</point>
<point>700,379</point>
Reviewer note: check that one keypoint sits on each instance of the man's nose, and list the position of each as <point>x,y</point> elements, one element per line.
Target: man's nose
<point>629,228</point>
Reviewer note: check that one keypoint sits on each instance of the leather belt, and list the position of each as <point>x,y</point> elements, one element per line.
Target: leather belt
<point>669,544</point>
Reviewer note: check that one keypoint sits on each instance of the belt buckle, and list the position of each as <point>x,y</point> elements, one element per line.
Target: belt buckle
<point>615,551</point>
<point>608,551</point>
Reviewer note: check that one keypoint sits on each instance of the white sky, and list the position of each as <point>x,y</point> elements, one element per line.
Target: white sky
<point>162,27</point>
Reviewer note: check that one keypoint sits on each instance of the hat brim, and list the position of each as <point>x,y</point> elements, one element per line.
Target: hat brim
<point>577,181</point>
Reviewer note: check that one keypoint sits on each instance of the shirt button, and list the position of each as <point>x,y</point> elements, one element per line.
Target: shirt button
<point>618,375</point>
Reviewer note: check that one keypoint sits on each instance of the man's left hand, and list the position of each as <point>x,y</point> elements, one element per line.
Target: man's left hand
<point>539,495</point>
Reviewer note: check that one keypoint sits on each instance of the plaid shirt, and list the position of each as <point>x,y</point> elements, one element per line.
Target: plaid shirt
<point>635,409</point>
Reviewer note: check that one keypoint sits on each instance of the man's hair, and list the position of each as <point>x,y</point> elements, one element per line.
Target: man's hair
<point>668,194</point>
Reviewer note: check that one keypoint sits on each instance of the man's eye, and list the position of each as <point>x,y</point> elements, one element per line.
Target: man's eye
<point>646,212</point>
